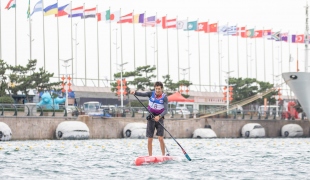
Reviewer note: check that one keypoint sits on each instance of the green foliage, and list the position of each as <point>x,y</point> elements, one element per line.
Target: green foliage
<point>244,88</point>
<point>169,85</point>
<point>3,85</point>
<point>6,100</point>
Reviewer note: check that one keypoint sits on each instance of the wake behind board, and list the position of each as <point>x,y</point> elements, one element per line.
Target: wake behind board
<point>152,159</point>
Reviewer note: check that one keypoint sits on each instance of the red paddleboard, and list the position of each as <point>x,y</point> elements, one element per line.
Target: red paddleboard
<point>152,159</point>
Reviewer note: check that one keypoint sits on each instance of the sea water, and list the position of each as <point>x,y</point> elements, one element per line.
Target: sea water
<point>113,159</point>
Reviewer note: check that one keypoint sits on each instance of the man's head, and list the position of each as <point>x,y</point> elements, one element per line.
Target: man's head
<point>158,86</point>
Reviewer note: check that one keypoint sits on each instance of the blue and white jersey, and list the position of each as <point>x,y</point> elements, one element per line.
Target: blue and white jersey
<point>156,105</point>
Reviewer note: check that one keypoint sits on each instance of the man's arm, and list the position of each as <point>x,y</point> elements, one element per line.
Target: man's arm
<point>143,94</point>
<point>165,107</point>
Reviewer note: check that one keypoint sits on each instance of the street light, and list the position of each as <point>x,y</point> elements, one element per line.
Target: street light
<point>66,66</point>
<point>121,65</point>
<point>184,73</point>
<point>227,92</point>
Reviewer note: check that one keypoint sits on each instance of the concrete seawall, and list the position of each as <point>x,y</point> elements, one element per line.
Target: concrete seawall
<point>231,128</point>
<point>36,128</point>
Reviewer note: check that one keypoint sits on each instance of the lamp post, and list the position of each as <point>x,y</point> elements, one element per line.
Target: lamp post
<point>66,65</point>
<point>121,65</point>
<point>184,73</point>
<point>227,92</point>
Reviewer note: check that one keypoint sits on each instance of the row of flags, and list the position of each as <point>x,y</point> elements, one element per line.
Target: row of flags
<point>152,21</point>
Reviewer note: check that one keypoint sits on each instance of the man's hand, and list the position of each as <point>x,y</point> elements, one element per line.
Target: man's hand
<point>156,118</point>
<point>132,92</point>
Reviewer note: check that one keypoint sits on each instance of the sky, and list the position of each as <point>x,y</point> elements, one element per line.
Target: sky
<point>205,56</point>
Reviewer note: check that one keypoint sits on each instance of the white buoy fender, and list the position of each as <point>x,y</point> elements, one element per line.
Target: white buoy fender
<point>135,130</point>
<point>72,130</point>
<point>204,133</point>
<point>5,132</point>
<point>292,130</point>
<point>253,130</point>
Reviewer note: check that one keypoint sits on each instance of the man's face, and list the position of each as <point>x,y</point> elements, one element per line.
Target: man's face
<point>158,90</point>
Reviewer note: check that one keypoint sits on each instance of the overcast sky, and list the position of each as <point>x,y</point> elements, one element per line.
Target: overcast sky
<point>278,15</point>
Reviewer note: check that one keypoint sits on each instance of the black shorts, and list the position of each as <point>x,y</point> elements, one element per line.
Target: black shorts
<point>150,128</point>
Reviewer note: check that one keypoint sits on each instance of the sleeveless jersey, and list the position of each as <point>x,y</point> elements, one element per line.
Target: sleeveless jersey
<point>156,106</point>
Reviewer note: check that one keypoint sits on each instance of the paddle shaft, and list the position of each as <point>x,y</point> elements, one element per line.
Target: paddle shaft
<point>165,130</point>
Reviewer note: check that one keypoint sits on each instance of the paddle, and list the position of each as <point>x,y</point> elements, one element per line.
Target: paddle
<point>184,152</point>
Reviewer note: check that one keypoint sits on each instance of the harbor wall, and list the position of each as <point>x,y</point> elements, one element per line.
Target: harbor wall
<point>40,128</point>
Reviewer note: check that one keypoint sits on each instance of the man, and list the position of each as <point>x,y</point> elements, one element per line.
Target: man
<point>158,105</point>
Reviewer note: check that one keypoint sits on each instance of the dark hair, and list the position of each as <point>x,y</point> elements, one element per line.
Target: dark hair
<point>158,83</point>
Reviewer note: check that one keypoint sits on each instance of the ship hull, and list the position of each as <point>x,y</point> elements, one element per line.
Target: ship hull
<point>299,83</point>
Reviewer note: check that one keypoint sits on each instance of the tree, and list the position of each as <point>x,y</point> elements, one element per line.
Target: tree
<point>169,85</point>
<point>244,88</point>
<point>4,86</point>
<point>144,82</point>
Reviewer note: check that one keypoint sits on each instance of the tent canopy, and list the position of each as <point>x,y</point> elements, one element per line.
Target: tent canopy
<point>177,97</point>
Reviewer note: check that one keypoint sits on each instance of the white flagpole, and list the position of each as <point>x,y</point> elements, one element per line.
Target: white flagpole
<point>178,51</point>
<point>43,35</point>
<point>71,42</point>
<point>15,36</point>
<point>58,45</point>
<point>97,47</point>
<point>110,48</point>
<point>219,56</point>
<point>255,56</point>
<point>156,46</point>
<point>228,60</point>
<point>246,47</point>
<point>145,40</point>
<point>167,48</point>
<point>272,61</point>
<point>208,30</point>
<point>134,44</point>
<point>189,70</point>
<point>199,57</point>
<point>238,51</point>
<point>85,45</point>
<point>0,33</point>
<point>289,37</point>
<point>264,55</point>
<point>121,46</point>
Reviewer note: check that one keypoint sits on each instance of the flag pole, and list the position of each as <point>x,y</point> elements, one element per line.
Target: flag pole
<point>97,48</point>
<point>110,47</point>
<point>156,45</point>
<point>134,43</point>
<point>15,37</point>
<point>72,75</point>
<point>0,34</point>
<point>145,40</point>
<point>264,55</point>
<point>189,71</point>
<point>178,51</point>
<point>219,56</point>
<point>289,37</point>
<point>43,34</point>
<point>246,51</point>
<point>255,57</point>
<point>121,44</point>
<point>237,51</point>
<point>58,45</point>
<point>85,44</point>
<point>167,49</point>
<point>208,30</point>
<point>199,57</point>
<point>228,60</point>
<point>272,61</point>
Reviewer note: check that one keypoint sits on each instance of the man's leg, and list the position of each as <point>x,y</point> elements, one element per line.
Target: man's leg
<point>162,144</point>
<point>149,145</point>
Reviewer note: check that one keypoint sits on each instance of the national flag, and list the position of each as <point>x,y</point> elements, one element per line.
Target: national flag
<point>284,36</point>
<point>77,12</point>
<point>64,10</point>
<point>126,18</point>
<point>168,23</point>
<point>276,36</point>
<point>300,39</point>
<point>90,13</point>
<point>269,37</point>
<point>258,34</point>
<point>191,26</point>
<point>181,24</point>
<point>11,4</point>
<point>51,9</point>
<point>138,18</point>
<point>151,21</point>
<point>37,7</point>
<point>114,16</point>
<point>267,34</point>
<point>202,26</point>
<point>28,10</point>
<point>99,18</point>
<point>212,28</point>
<point>240,31</point>
<point>249,32</point>
<point>227,30</point>
<point>292,38</point>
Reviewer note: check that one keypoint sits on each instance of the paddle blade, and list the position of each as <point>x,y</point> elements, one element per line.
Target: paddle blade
<point>187,157</point>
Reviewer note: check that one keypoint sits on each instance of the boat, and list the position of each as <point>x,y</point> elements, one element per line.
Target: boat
<point>299,82</point>
<point>142,160</point>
